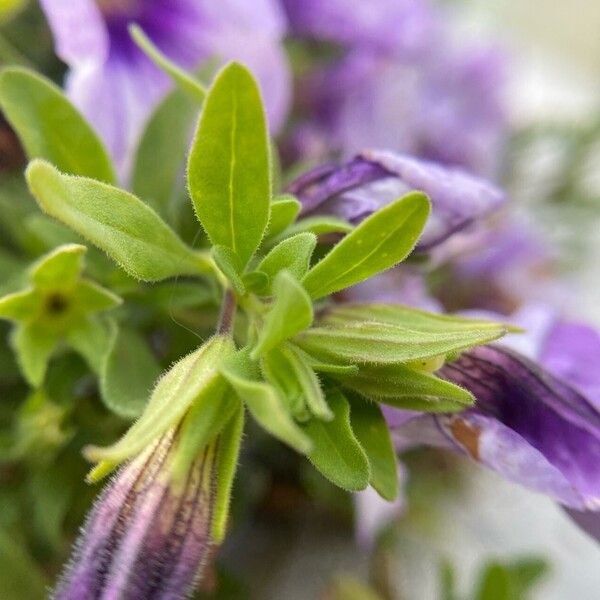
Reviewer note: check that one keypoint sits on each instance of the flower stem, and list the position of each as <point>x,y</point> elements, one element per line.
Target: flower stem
<point>227,312</point>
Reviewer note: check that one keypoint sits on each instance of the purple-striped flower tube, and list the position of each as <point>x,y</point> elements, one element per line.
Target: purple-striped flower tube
<point>150,533</point>
<point>115,85</point>
<point>374,178</point>
<point>148,536</point>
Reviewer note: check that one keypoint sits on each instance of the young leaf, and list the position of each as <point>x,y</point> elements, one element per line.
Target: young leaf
<point>186,82</point>
<point>336,452</point>
<point>292,254</point>
<point>373,434</point>
<point>321,225</point>
<point>381,343</point>
<point>129,373</point>
<point>228,169</point>
<point>230,442</point>
<point>160,156</point>
<point>229,264</point>
<point>257,282</point>
<point>50,127</point>
<point>263,402</point>
<point>292,375</point>
<point>378,243</point>
<point>292,312</point>
<point>130,232</point>
<point>402,387</point>
<point>284,209</point>
<point>195,378</point>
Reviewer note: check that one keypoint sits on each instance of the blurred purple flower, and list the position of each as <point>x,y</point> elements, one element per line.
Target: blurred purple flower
<point>148,535</point>
<point>401,84</point>
<point>373,513</point>
<point>116,86</point>
<point>373,179</point>
<point>391,26</point>
<point>536,424</point>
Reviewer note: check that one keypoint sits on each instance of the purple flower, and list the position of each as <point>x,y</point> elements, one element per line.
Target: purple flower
<point>391,26</point>
<point>375,178</point>
<point>528,424</point>
<point>148,535</point>
<point>116,86</point>
<point>400,84</point>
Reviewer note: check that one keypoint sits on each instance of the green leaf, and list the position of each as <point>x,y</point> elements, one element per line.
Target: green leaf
<point>60,268</point>
<point>229,264</point>
<point>290,313</point>
<point>230,442</point>
<point>186,82</point>
<point>292,254</point>
<point>256,281</point>
<point>33,346</point>
<point>321,225</point>
<point>527,571</point>
<point>402,316</point>
<point>402,387</point>
<point>325,367</point>
<point>130,232</point>
<point>92,298</point>
<point>92,339</point>
<point>284,210</point>
<point>287,368</point>
<point>160,156</point>
<point>20,306</point>
<point>263,402</point>
<point>128,375</point>
<point>373,435</point>
<point>336,452</point>
<point>50,127</point>
<point>378,243</point>
<point>382,343</point>
<point>228,169</point>
<point>190,380</point>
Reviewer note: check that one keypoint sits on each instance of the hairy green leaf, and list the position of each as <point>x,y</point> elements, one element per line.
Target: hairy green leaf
<point>372,432</point>
<point>229,264</point>
<point>60,268</point>
<point>402,387</point>
<point>378,243</point>
<point>284,209</point>
<point>291,312</point>
<point>228,169</point>
<point>50,127</point>
<point>33,345</point>
<point>292,254</point>
<point>130,232</point>
<point>263,402</point>
<point>321,225</point>
<point>336,452</point>
<point>382,343</point>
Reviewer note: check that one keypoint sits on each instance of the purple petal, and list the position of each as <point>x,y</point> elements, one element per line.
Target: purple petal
<point>588,521</point>
<point>116,86</point>
<point>401,26</point>
<point>375,178</point>
<point>80,34</point>
<point>572,352</point>
<point>525,416</point>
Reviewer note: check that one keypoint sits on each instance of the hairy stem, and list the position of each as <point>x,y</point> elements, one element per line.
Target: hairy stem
<point>227,312</point>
